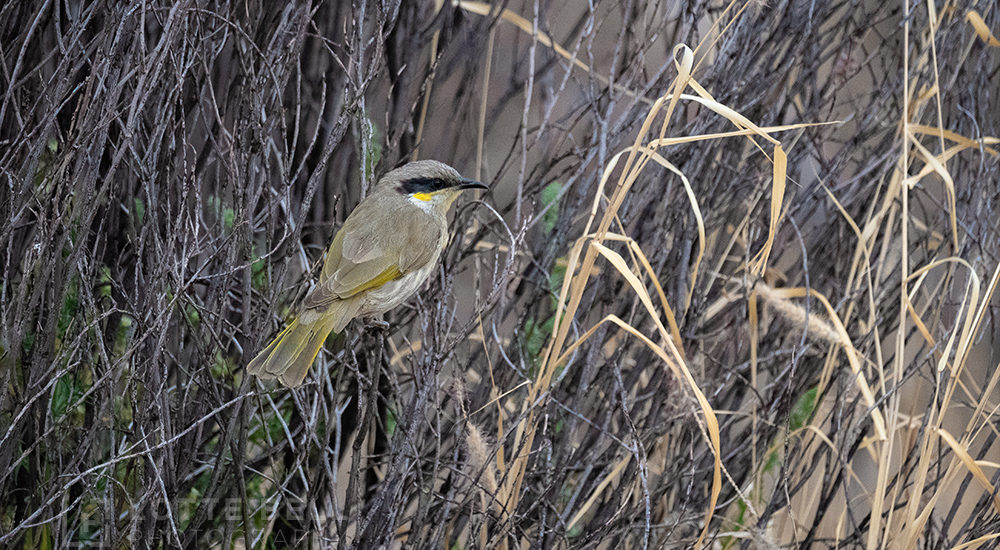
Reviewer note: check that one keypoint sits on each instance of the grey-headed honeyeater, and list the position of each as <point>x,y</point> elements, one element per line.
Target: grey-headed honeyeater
<point>384,252</point>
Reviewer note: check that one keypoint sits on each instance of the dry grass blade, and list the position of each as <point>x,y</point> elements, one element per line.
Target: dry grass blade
<point>971,465</point>
<point>838,333</point>
<point>983,31</point>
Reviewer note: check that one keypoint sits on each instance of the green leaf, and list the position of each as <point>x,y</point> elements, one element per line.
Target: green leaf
<point>390,422</point>
<point>258,271</point>
<point>45,163</point>
<point>193,317</point>
<point>772,461</point>
<point>38,538</point>
<point>550,196</point>
<point>122,335</point>
<point>803,409</point>
<point>28,342</point>
<point>273,425</point>
<point>797,418</point>
<point>222,212</point>
<point>556,276</point>
<point>71,302</point>
<point>61,395</point>
<point>222,366</point>
<point>122,411</point>
<point>228,218</point>
<point>68,390</point>
<point>139,212</point>
<point>535,336</point>
<point>105,281</point>
<point>730,542</point>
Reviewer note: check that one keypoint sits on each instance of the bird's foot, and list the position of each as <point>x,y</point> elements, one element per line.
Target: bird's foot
<point>378,324</point>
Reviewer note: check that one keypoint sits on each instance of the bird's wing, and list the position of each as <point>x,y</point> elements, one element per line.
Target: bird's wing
<point>373,248</point>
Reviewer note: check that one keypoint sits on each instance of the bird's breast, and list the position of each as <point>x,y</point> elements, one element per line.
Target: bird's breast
<point>393,293</point>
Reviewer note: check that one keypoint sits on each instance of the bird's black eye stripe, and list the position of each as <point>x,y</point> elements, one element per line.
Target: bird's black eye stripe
<point>423,185</point>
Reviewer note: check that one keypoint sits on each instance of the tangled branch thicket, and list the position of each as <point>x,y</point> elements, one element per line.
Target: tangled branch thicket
<point>778,334</point>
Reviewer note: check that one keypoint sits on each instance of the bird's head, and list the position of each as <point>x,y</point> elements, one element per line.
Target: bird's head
<point>428,183</point>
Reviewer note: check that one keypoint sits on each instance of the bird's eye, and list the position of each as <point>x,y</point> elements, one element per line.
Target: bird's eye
<point>423,185</point>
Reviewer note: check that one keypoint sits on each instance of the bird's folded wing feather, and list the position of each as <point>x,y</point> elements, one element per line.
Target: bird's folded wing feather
<point>373,248</point>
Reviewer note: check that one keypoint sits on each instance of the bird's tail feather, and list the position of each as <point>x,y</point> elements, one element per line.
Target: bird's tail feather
<point>291,353</point>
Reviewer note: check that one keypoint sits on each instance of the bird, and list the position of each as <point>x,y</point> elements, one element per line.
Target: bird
<point>382,254</point>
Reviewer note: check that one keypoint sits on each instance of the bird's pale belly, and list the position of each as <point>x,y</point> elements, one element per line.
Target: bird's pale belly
<point>396,292</point>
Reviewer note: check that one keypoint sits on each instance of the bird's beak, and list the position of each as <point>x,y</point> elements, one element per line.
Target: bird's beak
<point>471,184</point>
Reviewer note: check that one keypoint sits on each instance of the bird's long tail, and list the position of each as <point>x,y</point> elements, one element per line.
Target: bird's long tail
<point>291,353</point>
